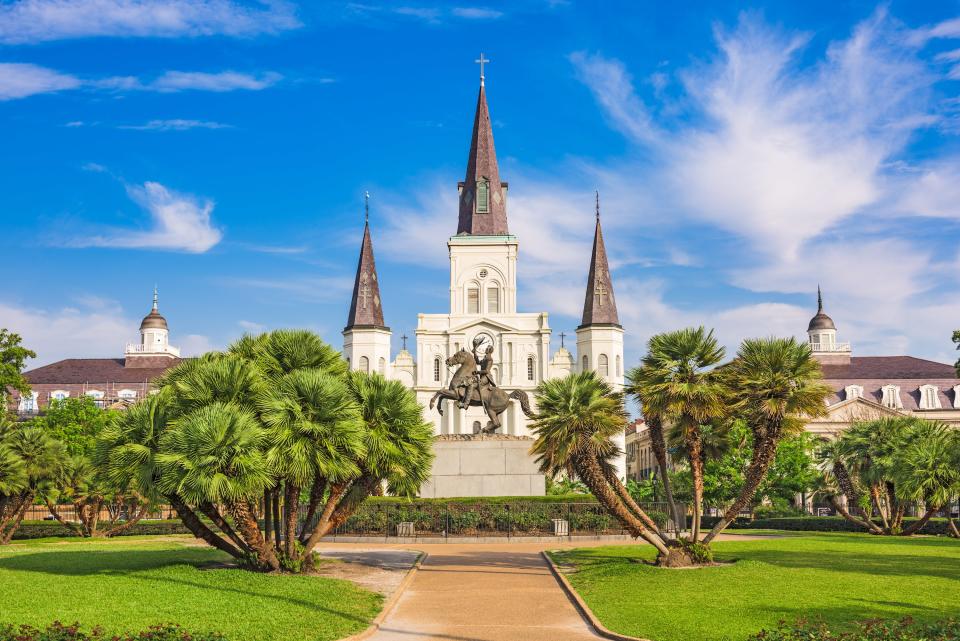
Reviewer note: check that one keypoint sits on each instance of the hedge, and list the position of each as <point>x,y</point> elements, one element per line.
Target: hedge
<point>45,529</point>
<point>57,631</point>
<point>831,524</point>
<point>876,630</point>
<point>484,500</point>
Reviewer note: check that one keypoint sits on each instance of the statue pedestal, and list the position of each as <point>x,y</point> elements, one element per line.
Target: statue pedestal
<point>490,465</point>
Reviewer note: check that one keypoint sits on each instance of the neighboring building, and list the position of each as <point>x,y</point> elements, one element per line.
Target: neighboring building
<point>483,304</point>
<point>111,382</point>
<point>864,388</point>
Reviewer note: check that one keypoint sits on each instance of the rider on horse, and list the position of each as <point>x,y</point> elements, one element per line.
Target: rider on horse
<point>480,377</point>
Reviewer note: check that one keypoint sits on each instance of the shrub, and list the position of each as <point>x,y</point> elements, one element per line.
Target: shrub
<point>57,631</point>
<point>45,529</point>
<point>700,553</point>
<point>875,630</point>
<point>777,512</point>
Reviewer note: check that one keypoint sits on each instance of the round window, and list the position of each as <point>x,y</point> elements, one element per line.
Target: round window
<point>483,273</point>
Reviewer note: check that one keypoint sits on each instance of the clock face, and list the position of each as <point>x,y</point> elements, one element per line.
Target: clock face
<point>483,341</point>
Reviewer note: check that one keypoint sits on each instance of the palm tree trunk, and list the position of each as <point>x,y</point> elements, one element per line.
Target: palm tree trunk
<point>865,523</point>
<point>211,512</point>
<point>624,495</point>
<point>267,515</point>
<point>52,508</point>
<point>275,504</point>
<point>764,452</point>
<point>323,526</point>
<point>952,528</point>
<point>919,523</point>
<point>317,490</point>
<point>590,472</point>
<point>199,529</point>
<point>695,454</point>
<point>114,530</point>
<point>12,524</point>
<point>659,445</point>
<point>291,501</point>
<point>878,505</point>
<point>250,531</point>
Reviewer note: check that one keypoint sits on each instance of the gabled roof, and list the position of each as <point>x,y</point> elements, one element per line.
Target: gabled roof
<point>599,303</point>
<point>482,167</point>
<point>93,370</point>
<point>888,367</point>
<point>365,306</point>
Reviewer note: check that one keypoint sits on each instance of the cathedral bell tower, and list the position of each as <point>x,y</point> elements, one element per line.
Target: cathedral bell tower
<point>483,254</point>
<point>366,339</point>
<point>600,335</point>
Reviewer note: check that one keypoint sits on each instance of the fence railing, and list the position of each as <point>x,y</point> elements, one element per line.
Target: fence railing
<point>41,513</point>
<point>507,520</point>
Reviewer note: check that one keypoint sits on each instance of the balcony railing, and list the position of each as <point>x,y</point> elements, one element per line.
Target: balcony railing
<point>137,348</point>
<point>824,347</point>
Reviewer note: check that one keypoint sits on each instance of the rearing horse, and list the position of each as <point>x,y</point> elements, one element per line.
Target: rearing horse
<point>493,400</point>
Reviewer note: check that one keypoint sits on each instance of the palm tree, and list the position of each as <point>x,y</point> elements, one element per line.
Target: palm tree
<point>215,455</point>
<point>676,386</point>
<point>926,470</point>
<point>837,481</point>
<point>578,417</point>
<point>32,459</point>
<point>776,386</point>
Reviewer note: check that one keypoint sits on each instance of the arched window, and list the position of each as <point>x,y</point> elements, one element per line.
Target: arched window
<point>586,363</point>
<point>891,397</point>
<point>929,397</point>
<point>382,366</point>
<point>364,364</point>
<point>436,369</point>
<point>476,427</point>
<point>853,391</point>
<point>59,395</point>
<point>530,372</point>
<point>483,196</point>
<point>493,299</point>
<point>473,299</point>
<point>619,366</point>
<point>603,365</point>
<point>127,395</point>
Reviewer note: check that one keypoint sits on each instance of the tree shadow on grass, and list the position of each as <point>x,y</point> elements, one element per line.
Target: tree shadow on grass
<point>136,565</point>
<point>899,565</point>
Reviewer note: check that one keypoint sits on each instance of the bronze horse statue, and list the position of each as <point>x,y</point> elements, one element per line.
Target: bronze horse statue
<point>493,399</point>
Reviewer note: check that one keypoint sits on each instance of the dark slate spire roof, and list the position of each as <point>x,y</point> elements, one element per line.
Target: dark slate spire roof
<point>599,304</point>
<point>154,320</point>
<point>365,309</point>
<point>482,167</point>
<point>821,320</point>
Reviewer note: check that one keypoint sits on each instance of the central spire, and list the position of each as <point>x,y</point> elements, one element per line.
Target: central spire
<point>365,308</point>
<point>483,198</point>
<point>599,305</point>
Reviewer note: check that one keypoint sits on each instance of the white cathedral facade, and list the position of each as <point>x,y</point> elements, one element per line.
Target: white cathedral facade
<point>483,308</point>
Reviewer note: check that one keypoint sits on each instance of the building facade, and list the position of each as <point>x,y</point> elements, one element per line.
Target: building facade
<point>110,382</point>
<point>484,310</point>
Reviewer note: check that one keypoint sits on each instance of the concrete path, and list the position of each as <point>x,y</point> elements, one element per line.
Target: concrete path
<point>484,593</point>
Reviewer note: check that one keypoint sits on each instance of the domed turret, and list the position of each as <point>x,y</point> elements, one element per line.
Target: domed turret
<point>154,320</point>
<point>821,321</point>
<point>822,334</point>
<point>154,337</point>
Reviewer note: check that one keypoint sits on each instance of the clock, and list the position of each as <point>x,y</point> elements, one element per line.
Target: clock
<point>481,342</point>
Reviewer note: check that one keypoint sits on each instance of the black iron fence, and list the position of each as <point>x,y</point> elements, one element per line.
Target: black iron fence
<point>519,519</point>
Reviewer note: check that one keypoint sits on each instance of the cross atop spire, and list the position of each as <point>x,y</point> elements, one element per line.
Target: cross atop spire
<point>483,198</point>
<point>599,304</point>
<point>481,61</point>
<point>366,206</point>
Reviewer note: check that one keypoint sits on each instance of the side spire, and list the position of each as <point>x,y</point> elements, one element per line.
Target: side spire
<point>599,304</point>
<point>483,202</point>
<point>365,309</point>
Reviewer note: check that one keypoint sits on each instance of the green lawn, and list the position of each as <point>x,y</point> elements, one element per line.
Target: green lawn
<point>130,585</point>
<point>837,577</point>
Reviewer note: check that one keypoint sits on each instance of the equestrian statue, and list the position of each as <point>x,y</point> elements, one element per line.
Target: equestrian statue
<point>472,385</point>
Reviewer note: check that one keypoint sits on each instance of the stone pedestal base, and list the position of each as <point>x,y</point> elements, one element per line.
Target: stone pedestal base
<point>474,465</point>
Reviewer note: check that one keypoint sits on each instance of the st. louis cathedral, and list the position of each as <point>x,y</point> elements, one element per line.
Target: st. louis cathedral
<point>483,308</point>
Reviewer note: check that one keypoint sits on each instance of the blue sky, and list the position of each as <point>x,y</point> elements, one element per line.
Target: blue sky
<point>220,149</point>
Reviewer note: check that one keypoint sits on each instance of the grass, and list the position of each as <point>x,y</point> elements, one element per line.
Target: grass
<point>839,578</point>
<point>130,584</point>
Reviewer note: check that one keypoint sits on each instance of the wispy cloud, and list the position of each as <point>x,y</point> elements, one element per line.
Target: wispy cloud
<point>32,21</point>
<point>175,124</point>
<point>19,80</point>
<point>430,14</point>
<point>176,221</point>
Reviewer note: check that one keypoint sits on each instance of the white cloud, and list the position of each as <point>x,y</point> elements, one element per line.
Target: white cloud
<point>177,222</point>
<point>196,345</point>
<point>433,15</point>
<point>476,13</point>
<point>19,80</point>
<point>31,21</point>
<point>173,81</point>
<point>175,124</point>
<point>612,87</point>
